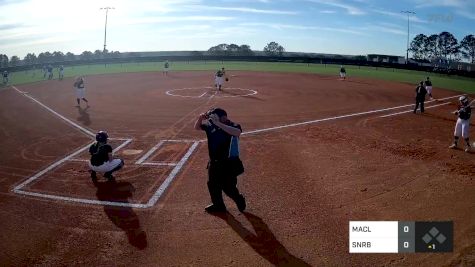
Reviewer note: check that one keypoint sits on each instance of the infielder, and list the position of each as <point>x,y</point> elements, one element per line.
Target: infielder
<point>428,85</point>
<point>80,90</point>
<point>219,78</point>
<point>166,67</point>
<point>102,159</point>
<point>463,122</point>
<point>5,77</point>
<point>342,72</point>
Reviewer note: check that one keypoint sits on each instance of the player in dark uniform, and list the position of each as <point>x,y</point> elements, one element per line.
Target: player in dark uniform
<point>462,126</point>
<point>45,70</point>
<point>102,159</point>
<point>428,85</point>
<point>166,67</point>
<point>5,77</point>
<point>342,72</point>
<point>223,137</point>
<point>420,96</point>
<point>50,72</point>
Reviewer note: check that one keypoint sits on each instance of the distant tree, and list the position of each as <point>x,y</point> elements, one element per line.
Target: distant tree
<point>30,59</point>
<point>45,57</point>
<point>14,60</point>
<point>467,48</point>
<point>116,54</point>
<point>432,47</point>
<point>274,49</point>
<point>70,56</point>
<point>87,55</point>
<point>232,50</point>
<point>448,45</point>
<point>57,56</point>
<point>3,60</point>
<point>245,50</point>
<point>98,54</point>
<point>219,50</point>
<point>418,47</point>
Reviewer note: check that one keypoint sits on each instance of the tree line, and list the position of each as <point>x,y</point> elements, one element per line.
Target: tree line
<point>271,49</point>
<point>443,46</point>
<point>56,56</point>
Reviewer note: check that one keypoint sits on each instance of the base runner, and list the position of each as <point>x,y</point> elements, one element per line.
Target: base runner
<point>463,123</point>
<point>428,85</point>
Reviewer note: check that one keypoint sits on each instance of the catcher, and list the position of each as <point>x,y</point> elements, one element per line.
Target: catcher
<point>102,159</point>
<point>463,122</point>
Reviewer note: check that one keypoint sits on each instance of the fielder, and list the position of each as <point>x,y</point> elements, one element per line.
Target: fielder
<point>102,159</point>
<point>342,72</point>
<point>463,122</point>
<point>428,85</point>
<point>80,90</point>
<point>166,67</point>
<point>61,72</point>
<point>219,79</point>
<point>5,77</point>
<point>50,72</point>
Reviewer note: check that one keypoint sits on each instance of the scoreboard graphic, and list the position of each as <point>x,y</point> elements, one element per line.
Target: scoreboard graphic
<point>400,236</point>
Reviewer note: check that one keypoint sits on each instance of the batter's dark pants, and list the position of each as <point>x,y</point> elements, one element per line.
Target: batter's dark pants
<point>421,102</point>
<point>220,181</point>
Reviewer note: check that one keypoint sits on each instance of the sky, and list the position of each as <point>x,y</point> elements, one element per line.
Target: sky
<point>351,27</point>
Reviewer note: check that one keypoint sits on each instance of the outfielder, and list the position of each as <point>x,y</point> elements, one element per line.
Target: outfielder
<point>463,122</point>
<point>80,90</point>
<point>166,67</point>
<point>428,85</point>
<point>50,72</point>
<point>102,159</point>
<point>342,72</point>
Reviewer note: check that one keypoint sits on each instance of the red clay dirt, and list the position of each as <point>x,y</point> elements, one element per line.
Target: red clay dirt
<point>303,184</point>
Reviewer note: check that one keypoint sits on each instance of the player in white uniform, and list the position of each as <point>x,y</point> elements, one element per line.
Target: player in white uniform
<point>219,79</point>
<point>166,67</point>
<point>61,72</point>
<point>80,90</point>
<point>428,85</point>
<point>463,123</point>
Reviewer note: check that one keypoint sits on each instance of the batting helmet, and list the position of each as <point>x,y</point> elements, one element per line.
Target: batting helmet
<point>463,99</point>
<point>102,136</point>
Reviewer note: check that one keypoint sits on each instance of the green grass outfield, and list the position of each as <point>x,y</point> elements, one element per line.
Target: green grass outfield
<point>455,83</point>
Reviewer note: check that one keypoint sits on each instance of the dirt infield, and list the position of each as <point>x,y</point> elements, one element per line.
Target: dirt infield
<point>318,153</point>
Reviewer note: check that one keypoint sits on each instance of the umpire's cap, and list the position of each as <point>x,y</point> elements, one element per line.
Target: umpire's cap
<point>218,111</point>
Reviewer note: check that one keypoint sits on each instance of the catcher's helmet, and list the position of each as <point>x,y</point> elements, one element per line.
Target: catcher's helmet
<point>102,136</point>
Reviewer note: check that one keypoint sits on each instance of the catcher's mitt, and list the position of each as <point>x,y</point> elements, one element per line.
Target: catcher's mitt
<point>227,79</point>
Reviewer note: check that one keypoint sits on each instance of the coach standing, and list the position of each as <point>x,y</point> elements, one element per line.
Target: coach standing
<point>223,137</point>
<point>420,96</point>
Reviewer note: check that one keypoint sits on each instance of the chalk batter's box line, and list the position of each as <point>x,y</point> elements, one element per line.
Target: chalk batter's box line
<point>150,203</point>
<point>123,144</point>
<point>143,159</point>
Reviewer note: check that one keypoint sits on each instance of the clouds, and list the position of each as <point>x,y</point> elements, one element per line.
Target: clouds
<point>351,9</point>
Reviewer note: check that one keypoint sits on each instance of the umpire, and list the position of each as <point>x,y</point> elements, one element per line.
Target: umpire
<point>223,137</point>
<point>420,96</point>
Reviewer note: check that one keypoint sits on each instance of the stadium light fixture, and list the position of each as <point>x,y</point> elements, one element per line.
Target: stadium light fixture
<point>409,13</point>
<point>105,27</point>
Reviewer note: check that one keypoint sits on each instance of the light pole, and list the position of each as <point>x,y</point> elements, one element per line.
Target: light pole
<point>105,27</point>
<point>407,48</point>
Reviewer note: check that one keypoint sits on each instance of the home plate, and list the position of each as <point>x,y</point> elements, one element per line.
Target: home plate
<point>131,151</point>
